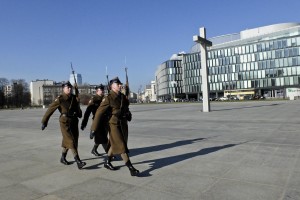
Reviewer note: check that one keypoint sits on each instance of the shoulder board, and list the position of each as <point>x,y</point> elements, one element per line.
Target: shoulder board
<point>58,97</point>
<point>106,97</point>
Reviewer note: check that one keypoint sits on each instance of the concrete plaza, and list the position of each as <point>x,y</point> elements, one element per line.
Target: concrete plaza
<point>239,150</point>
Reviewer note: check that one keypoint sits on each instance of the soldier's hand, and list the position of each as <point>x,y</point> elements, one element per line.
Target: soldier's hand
<point>82,127</point>
<point>43,126</point>
<point>129,116</point>
<point>92,134</point>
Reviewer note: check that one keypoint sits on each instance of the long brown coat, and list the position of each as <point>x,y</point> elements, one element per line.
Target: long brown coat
<point>101,133</point>
<point>116,106</point>
<point>70,111</point>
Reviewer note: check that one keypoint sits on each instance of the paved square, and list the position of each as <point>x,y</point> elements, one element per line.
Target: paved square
<point>240,150</point>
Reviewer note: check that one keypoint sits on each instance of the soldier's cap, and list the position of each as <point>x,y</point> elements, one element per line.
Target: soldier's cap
<point>115,80</point>
<point>67,84</point>
<point>101,87</point>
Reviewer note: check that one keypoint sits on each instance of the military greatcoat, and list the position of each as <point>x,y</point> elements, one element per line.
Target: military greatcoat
<point>70,111</point>
<point>101,133</point>
<point>117,106</point>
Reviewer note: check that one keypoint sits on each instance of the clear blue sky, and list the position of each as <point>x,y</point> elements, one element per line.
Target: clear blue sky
<point>39,38</point>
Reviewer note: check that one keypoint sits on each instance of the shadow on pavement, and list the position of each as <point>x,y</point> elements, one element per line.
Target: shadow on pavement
<point>257,106</point>
<point>163,162</point>
<point>138,151</point>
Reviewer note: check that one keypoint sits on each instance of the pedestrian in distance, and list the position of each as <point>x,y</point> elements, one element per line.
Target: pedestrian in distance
<point>117,107</point>
<point>100,136</point>
<point>70,111</point>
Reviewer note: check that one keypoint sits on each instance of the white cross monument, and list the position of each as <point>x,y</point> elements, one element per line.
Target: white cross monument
<point>203,50</point>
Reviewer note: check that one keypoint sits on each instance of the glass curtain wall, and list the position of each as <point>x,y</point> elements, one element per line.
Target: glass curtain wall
<point>267,66</point>
<point>169,80</point>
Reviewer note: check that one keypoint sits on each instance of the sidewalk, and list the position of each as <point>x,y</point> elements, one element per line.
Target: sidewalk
<point>240,150</point>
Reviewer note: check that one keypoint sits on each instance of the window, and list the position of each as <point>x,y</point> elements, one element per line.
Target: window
<point>273,82</point>
<point>258,74</point>
<point>286,81</point>
<point>291,81</point>
<point>296,80</point>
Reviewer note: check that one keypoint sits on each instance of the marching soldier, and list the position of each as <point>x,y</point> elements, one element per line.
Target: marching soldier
<point>69,108</point>
<point>118,108</point>
<point>128,117</point>
<point>100,136</point>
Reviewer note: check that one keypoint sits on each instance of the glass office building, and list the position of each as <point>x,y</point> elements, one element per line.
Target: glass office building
<point>168,79</point>
<point>264,61</point>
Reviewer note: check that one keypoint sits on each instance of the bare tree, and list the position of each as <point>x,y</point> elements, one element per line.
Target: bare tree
<point>3,83</point>
<point>20,94</point>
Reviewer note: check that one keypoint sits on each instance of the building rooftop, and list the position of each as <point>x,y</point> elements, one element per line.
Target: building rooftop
<point>248,34</point>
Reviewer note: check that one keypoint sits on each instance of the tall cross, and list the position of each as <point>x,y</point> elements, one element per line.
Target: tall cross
<point>204,43</point>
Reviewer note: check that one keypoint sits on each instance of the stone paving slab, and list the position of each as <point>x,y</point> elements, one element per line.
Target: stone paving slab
<point>239,150</point>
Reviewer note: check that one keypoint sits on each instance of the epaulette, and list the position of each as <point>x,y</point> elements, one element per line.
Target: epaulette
<point>105,96</point>
<point>91,100</point>
<point>58,97</point>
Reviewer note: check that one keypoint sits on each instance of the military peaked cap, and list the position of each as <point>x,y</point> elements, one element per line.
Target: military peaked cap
<point>67,84</point>
<point>101,87</point>
<point>115,80</point>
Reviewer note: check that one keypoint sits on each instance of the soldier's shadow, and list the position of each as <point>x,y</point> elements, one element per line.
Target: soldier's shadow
<point>138,151</point>
<point>95,166</point>
<point>142,150</point>
<point>163,162</point>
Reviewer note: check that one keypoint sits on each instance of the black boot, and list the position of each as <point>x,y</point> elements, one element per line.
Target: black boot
<point>63,159</point>
<point>133,171</point>
<point>108,164</point>
<point>94,150</point>
<point>80,164</point>
<point>92,134</point>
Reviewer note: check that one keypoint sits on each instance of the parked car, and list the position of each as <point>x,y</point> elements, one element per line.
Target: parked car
<point>234,98</point>
<point>258,97</point>
<point>247,97</point>
<point>223,98</point>
<point>214,99</point>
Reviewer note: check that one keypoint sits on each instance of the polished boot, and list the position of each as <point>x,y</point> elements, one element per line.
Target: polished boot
<point>108,164</point>
<point>94,150</point>
<point>80,164</point>
<point>92,134</point>
<point>63,159</point>
<point>133,171</point>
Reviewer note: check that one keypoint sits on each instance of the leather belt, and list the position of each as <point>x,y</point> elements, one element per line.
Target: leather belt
<point>66,115</point>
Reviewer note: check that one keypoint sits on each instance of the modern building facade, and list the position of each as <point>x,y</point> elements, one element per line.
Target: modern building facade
<point>261,61</point>
<point>169,79</point>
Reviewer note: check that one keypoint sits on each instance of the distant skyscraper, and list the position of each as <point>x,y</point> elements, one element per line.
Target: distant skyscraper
<point>77,77</point>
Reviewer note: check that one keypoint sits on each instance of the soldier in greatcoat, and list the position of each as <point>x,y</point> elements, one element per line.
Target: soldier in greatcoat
<point>68,106</point>
<point>117,107</point>
<point>100,136</point>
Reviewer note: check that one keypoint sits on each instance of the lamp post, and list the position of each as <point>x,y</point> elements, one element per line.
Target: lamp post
<point>204,43</point>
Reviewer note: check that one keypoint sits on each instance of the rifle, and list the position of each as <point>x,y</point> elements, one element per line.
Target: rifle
<point>107,87</point>
<point>75,84</point>
<point>127,91</point>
